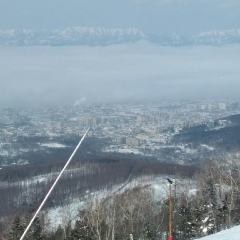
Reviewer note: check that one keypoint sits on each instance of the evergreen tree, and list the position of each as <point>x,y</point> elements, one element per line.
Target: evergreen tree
<point>35,231</point>
<point>68,231</point>
<point>209,192</point>
<point>26,220</point>
<point>16,229</point>
<point>59,234</point>
<point>148,232</point>
<point>82,231</point>
<point>186,223</point>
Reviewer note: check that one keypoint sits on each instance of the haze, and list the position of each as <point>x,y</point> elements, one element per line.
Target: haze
<point>40,76</point>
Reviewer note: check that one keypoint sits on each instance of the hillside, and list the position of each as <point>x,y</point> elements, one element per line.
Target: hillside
<point>224,135</point>
<point>129,197</point>
<point>23,185</point>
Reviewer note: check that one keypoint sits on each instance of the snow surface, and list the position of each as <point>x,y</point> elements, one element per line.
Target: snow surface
<point>123,150</point>
<point>63,215</point>
<point>53,145</point>
<point>229,234</point>
<point>207,147</point>
<point>157,184</point>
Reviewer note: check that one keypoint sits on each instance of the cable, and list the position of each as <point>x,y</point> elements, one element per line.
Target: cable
<point>49,192</point>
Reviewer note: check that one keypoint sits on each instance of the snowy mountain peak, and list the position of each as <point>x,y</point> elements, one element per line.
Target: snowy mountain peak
<point>101,31</point>
<point>106,36</point>
<point>70,36</point>
<point>218,33</point>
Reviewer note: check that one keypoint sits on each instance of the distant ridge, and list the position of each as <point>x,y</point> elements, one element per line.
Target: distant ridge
<point>105,36</point>
<point>70,36</point>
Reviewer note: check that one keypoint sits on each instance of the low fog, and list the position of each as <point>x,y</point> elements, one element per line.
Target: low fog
<point>50,76</point>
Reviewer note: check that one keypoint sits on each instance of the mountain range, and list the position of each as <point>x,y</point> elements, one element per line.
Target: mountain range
<point>105,37</point>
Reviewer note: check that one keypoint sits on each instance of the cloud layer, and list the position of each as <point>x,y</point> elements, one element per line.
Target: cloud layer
<point>40,76</point>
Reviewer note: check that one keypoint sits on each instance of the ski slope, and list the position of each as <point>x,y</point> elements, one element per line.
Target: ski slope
<point>229,234</point>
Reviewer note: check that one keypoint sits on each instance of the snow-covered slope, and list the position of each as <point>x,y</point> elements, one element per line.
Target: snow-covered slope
<point>229,234</point>
<point>104,36</point>
<point>156,184</point>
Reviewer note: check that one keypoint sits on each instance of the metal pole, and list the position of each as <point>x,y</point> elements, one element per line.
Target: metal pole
<point>170,209</point>
<point>170,212</point>
<point>49,192</point>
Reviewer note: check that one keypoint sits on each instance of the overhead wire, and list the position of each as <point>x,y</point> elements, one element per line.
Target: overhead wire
<point>54,184</point>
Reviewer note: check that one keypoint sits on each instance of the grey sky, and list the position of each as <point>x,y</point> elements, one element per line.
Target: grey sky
<point>34,76</point>
<point>62,75</point>
<point>148,15</point>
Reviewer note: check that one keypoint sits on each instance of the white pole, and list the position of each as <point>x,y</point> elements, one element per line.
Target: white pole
<point>49,192</point>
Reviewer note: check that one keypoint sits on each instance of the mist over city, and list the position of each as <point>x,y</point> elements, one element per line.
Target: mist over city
<point>53,53</point>
<point>133,105</point>
<point>55,76</point>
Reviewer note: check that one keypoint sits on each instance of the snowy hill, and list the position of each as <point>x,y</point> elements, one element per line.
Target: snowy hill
<point>229,234</point>
<point>103,36</point>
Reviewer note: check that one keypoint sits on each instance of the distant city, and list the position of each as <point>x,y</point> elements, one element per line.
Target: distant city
<point>144,129</point>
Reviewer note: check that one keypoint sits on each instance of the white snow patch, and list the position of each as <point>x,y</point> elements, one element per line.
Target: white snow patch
<point>229,234</point>
<point>192,192</point>
<point>135,151</point>
<point>205,230</point>
<point>53,145</point>
<point>63,215</point>
<point>123,150</point>
<point>207,147</point>
<point>160,190</point>
<point>4,152</point>
<point>205,220</point>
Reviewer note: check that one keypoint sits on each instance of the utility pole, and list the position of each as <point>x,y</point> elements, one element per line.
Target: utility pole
<point>170,209</point>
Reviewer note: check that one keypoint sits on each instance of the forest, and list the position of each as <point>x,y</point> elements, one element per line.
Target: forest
<point>224,139</point>
<point>23,185</point>
<point>213,205</point>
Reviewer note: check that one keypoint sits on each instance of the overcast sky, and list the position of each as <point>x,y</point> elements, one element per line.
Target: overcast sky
<point>149,15</point>
<point>41,76</point>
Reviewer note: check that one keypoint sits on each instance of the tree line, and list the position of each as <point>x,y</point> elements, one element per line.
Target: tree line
<point>24,185</point>
<point>139,213</point>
